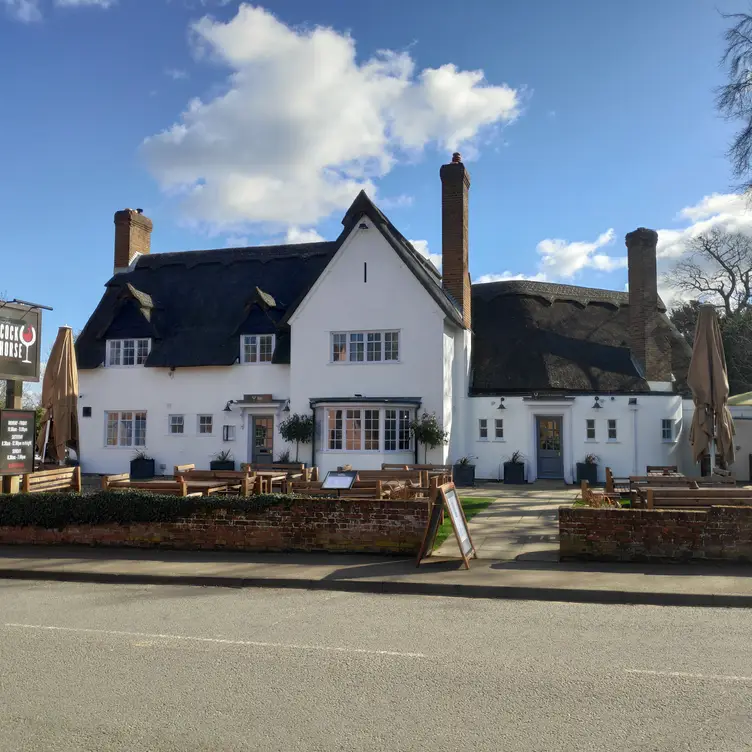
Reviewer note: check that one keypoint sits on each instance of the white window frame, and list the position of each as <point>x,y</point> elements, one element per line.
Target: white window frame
<point>200,425</point>
<point>671,425</point>
<point>367,342</point>
<point>256,349</point>
<point>117,348</point>
<point>612,424</point>
<point>588,428</point>
<point>482,429</point>
<point>350,415</point>
<point>499,428</point>
<point>133,416</point>
<point>171,424</point>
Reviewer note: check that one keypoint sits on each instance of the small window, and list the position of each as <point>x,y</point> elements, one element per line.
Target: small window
<point>228,433</point>
<point>499,429</point>
<point>667,429</point>
<point>590,429</point>
<point>205,425</point>
<point>128,352</point>
<point>483,429</point>
<point>86,412</point>
<point>125,429</point>
<point>256,348</point>
<point>612,434</point>
<point>177,424</point>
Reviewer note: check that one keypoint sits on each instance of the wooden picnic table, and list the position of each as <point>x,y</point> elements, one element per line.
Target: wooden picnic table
<point>205,487</point>
<point>270,477</point>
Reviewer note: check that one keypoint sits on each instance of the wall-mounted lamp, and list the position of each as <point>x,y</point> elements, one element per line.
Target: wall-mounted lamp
<point>228,406</point>
<point>286,408</point>
<point>597,404</point>
<point>501,404</point>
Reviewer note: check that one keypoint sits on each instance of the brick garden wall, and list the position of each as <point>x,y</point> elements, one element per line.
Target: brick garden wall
<point>353,525</point>
<point>715,534</point>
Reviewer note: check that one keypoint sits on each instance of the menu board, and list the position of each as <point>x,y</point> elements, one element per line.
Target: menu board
<point>339,479</point>
<point>17,429</point>
<point>458,520</point>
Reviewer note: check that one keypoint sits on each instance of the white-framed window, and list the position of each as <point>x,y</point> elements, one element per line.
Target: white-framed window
<point>256,348</point>
<point>360,429</point>
<point>483,429</point>
<point>176,424</point>
<point>127,352</point>
<point>205,425</point>
<point>125,428</point>
<point>667,429</point>
<point>499,429</point>
<point>365,347</point>
<point>228,433</point>
<point>590,429</point>
<point>613,434</point>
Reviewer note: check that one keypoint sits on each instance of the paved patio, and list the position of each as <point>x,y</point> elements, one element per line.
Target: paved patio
<point>522,522</point>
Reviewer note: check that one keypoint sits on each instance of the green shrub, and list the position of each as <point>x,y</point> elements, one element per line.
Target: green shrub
<point>57,510</point>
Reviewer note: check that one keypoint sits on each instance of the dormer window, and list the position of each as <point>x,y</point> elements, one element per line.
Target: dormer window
<point>256,348</point>
<point>127,352</point>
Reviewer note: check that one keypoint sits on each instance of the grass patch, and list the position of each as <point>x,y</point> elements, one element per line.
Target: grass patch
<point>471,506</point>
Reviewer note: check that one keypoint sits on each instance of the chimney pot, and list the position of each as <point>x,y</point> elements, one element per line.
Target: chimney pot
<point>132,237</point>
<point>456,157</point>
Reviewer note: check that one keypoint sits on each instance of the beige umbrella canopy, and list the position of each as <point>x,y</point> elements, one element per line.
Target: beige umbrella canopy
<point>59,428</point>
<point>712,426</point>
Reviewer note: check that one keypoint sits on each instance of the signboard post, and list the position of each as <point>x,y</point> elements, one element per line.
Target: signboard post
<point>446,498</point>
<point>17,435</point>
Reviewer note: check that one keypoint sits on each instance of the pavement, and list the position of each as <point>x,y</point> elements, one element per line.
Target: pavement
<point>103,668</point>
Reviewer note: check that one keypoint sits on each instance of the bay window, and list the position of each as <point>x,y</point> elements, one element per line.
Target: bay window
<point>359,429</point>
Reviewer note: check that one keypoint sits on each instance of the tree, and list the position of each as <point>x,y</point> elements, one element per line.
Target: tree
<point>734,100</point>
<point>717,268</point>
<point>298,429</point>
<point>428,431</point>
<point>684,318</point>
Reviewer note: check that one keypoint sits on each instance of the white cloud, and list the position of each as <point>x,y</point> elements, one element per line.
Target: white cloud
<point>176,73</point>
<point>26,11</point>
<point>421,246</point>
<point>85,3</point>
<point>296,235</point>
<point>561,259</point>
<point>506,276</point>
<point>303,124</point>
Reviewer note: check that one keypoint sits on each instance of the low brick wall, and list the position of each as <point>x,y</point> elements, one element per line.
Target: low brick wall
<point>352,525</point>
<point>714,534</point>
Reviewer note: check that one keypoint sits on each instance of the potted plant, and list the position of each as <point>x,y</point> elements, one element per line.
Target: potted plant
<point>514,468</point>
<point>464,472</point>
<point>223,461</point>
<point>588,469</point>
<point>297,429</point>
<point>142,466</point>
<point>428,431</point>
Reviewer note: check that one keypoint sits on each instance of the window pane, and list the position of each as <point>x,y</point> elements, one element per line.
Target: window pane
<point>374,346</point>
<point>353,428</point>
<point>205,424</point>
<point>339,347</point>
<point>129,352</point>
<point>390,430</point>
<point>140,430</point>
<point>668,429</point>
<point>404,430</point>
<point>335,429</point>
<point>356,347</point>
<point>126,429</point>
<point>112,429</point>
<point>142,352</point>
<point>265,348</point>
<point>114,353</point>
<point>612,429</point>
<point>372,430</point>
<point>391,345</point>
<point>249,349</point>
<point>499,427</point>
<point>590,429</point>
<point>483,428</point>
<point>176,424</point>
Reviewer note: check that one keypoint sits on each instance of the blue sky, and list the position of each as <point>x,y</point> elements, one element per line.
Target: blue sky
<point>592,118</point>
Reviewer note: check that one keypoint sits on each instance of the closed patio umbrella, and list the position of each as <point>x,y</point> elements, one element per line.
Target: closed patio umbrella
<point>712,426</point>
<point>59,428</point>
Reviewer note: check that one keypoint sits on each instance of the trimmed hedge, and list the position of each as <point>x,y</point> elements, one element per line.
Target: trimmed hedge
<point>58,510</point>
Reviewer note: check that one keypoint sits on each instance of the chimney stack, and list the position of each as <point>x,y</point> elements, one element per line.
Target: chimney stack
<point>649,347</point>
<point>132,237</point>
<point>455,272</point>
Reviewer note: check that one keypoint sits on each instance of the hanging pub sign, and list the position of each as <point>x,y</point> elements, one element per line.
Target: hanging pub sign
<point>17,429</point>
<point>20,342</point>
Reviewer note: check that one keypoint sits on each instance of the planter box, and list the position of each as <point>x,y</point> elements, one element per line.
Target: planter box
<point>464,475</point>
<point>588,472</point>
<point>142,469</point>
<point>514,473</point>
<point>217,465</point>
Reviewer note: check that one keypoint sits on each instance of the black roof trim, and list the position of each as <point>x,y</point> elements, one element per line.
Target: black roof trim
<point>417,401</point>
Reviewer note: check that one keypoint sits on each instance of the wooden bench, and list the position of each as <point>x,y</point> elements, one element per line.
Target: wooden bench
<point>59,479</point>
<point>293,470</point>
<point>374,489</point>
<point>669,498</point>
<point>662,469</point>
<point>163,487</point>
<point>679,481</point>
<point>599,498</point>
<point>244,480</point>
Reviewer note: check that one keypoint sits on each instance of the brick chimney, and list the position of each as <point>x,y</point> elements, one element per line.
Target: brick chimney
<point>455,272</point>
<point>132,236</point>
<point>649,347</point>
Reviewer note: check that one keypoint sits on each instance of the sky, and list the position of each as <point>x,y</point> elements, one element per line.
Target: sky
<point>238,124</point>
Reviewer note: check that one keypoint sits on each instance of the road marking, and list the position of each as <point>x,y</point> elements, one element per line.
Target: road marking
<point>685,675</point>
<point>218,641</point>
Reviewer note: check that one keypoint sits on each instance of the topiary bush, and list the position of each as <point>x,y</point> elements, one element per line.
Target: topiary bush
<point>58,510</point>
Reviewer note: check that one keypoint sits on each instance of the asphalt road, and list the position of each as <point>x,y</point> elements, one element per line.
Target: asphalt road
<point>99,667</point>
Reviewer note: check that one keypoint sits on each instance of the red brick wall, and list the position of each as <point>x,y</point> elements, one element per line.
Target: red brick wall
<point>715,534</point>
<point>353,525</point>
